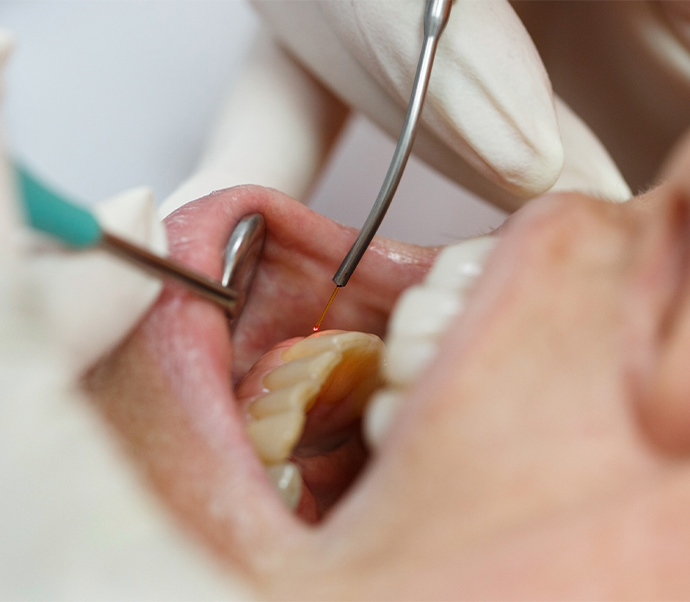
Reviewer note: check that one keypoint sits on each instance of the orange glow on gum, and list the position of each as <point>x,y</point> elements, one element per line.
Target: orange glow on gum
<point>323,315</point>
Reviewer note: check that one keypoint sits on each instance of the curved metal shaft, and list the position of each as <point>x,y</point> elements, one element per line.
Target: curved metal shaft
<point>164,267</point>
<point>242,254</point>
<point>435,19</point>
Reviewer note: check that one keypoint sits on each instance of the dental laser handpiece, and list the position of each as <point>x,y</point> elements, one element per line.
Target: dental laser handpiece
<point>435,20</point>
<point>77,228</point>
<point>436,17</point>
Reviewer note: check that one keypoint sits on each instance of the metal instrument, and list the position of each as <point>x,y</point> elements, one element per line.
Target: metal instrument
<point>435,20</point>
<point>242,255</point>
<point>76,227</point>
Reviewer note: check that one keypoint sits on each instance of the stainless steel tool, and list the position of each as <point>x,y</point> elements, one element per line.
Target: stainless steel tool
<point>76,227</point>
<point>241,259</point>
<point>435,19</point>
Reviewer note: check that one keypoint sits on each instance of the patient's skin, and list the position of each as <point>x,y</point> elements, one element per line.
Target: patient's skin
<point>543,454</point>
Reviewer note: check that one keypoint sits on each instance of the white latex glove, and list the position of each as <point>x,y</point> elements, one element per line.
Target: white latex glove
<point>75,523</point>
<point>275,129</point>
<point>81,303</point>
<point>490,121</point>
<point>90,300</point>
<point>625,68</point>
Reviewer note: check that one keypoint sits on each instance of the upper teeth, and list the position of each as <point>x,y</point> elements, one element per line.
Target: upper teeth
<point>458,266</point>
<point>419,320</point>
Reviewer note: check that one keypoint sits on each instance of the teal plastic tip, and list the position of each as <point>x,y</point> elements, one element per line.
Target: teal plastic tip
<point>45,210</point>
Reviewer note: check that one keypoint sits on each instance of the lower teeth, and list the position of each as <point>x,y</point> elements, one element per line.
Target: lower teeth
<point>334,373</point>
<point>288,482</point>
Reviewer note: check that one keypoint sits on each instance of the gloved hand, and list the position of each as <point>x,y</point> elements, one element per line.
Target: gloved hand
<point>625,68</point>
<point>490,121</point>
<point>77,304</point>
<point>82,303</point>
<point>74,522</point>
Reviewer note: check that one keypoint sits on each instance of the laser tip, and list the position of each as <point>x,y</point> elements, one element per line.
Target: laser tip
<point>323,315</point>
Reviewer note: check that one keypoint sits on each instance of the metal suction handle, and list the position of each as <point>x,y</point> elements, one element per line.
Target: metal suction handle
<point>242,257</point>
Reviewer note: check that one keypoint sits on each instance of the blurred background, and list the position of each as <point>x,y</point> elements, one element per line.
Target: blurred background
<point>104,95</point>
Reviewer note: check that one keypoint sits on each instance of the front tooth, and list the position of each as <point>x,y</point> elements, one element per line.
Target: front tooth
<point>419,319</point>
<point>423,311</point>
<point>288,482</point>
<point>406,359</point>
<point>458,266</point>
<point>275,436</point>
<point>315,368</point>
<point>379,416</point>
<point>297,397</point>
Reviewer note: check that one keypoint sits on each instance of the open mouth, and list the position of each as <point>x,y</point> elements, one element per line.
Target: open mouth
<point>190,397</point>
<point>479,444</point>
